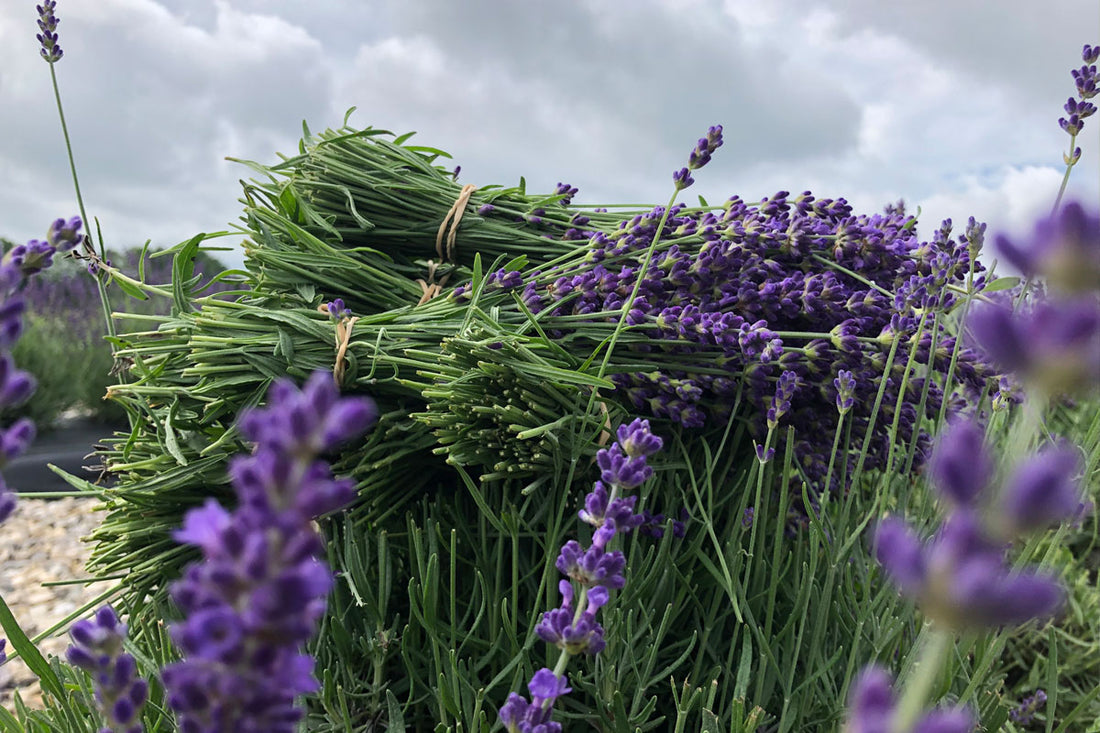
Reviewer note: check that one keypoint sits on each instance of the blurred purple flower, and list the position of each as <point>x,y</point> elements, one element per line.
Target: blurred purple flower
<point>872,703</point>
<point>254,600</point>
<point>97,649</point>
<point>960,579</point>
<point>1063,249</point>
<point>1043,491</point>
<point>1055,345</point>
<point>960,464</point>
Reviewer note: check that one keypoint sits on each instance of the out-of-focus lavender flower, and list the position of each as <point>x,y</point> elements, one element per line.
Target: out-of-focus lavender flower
<point>1063,249</point>
<point>97,649</point>
<point>16,386</point>
<point>254,600</point>
<point>961,579</point>
<point>747,517</point>
<point>337,311</point>
<point>65,235</point>
<point>871,708</point>
<point>32,257</point>
<point>1054,345</point>
<point>1024,713</point>
<point>47,25</point>
<point>960,465</point>
<point>1043,491</point>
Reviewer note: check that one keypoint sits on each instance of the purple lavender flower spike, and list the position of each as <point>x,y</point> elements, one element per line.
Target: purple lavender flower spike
<point>1025,712</point>
<point>781,400</point>
<point>15,440</point>
<point>1055,345</point>
<point>960,464</point>
<point>519,716</point>
<point>47,24</point>
<point>845,385</point>
<point>255,599</point>
<point>872,703</point>
<point>700,156</point>
<point>1043,491</point>
<point>32,257</point>
<point>1064,249</point>
<point>636,439</point>
<point>621,470</point>
<point>16,386</point>
<point>11,321</point>
<point>97,649</point>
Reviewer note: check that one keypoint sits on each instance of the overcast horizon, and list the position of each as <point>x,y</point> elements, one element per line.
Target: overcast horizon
<point>943,104</point>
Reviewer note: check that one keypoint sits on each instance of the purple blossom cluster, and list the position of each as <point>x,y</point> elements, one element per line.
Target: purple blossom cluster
<point>699,157</point>
<point>733,299</point>
<point>97,649</point>
<point>47,36</point>
<point>1024,713</point>
<point>590,573</point>
<point>1087,81</point>
<point>873,705</point>
<point>255,598</point>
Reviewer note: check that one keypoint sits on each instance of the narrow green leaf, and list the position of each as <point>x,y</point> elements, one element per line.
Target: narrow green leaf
<point>29,653</point>
<point>183,267</point>
<point>1001,283</point>
<point>393,710</point>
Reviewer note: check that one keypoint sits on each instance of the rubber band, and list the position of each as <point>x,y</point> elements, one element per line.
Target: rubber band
<point>451,220</point>
<point>431,288</point>
<point>343,338</point>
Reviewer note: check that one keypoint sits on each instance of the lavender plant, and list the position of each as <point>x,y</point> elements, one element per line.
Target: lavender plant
<point>590,575</point>
<point>823,336</point>
<point>960,578</point>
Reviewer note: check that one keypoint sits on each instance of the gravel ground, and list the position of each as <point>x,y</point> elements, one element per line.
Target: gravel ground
<point>40,543</point>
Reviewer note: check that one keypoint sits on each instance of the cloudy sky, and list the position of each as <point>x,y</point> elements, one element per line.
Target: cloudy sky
<point>949,104</point>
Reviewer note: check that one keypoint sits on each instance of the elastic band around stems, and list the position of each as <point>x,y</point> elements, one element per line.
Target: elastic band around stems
<point>453,217</point>
<point>343,338</point>
<point>431,288</point>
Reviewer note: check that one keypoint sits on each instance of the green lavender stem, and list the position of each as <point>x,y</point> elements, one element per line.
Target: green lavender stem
<point>104,300</point>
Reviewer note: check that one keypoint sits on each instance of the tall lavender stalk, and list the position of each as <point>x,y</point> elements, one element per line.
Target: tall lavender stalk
<point>590,573</point>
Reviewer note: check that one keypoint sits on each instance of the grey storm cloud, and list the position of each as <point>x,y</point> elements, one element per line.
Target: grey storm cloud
<point>944,103</point>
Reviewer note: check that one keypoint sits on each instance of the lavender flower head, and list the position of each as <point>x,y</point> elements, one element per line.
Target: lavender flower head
<point>872,704</point>
<point>97,649</point>
<point>520,716</point>
<point>47,25</point>
<point>337,311</point>
<point>254,600</point>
